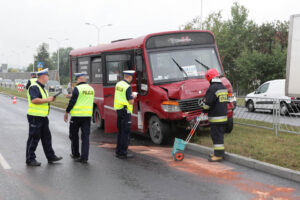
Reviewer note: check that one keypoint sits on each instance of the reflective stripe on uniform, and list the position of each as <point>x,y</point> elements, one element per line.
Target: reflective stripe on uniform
<point>217,119</point>
<point>219,147</point>
<point>221,92</point>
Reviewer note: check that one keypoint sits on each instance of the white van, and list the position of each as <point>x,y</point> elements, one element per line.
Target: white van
<point>267,94</point>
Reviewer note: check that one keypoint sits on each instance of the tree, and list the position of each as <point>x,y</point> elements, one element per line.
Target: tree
<point>42,56</point>
<point>250,53</point>
<point>63,63</point>
<point>13,70</point>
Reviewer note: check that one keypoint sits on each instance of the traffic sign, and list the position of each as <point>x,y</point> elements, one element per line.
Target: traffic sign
<point>40,66</point>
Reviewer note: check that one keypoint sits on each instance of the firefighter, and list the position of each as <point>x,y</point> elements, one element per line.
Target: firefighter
<point>32,80</point>
<point>123,104</point>
<point>81,109</point>
<point>37,115</point>
<point>215,103</point>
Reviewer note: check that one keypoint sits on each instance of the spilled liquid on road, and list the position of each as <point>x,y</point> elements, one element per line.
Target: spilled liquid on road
<point>220,172</point>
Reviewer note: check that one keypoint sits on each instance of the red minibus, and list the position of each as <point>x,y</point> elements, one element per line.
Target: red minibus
<point>169,79</point>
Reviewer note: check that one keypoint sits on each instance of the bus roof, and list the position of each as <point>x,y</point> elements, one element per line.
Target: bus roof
<point>123,45</point>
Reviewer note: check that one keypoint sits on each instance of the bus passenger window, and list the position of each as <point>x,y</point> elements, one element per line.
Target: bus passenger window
<point>115,65</point>
<point>97,76</point>
<point>84,66</point>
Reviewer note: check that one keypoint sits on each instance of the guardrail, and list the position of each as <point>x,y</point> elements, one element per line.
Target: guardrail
<point>270,113</point>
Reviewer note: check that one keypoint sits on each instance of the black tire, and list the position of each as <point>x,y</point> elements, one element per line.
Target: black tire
<point>229,126</point>
<point>250,106</point>
<point>284,110</point>
<point>97,119</point>
<point>158,130</point>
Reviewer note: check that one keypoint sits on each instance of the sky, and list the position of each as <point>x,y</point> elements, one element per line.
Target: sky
<point>25,24</point>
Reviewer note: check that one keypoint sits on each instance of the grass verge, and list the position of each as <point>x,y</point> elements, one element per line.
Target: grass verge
<point>260,144</point>
<point>60,101</point>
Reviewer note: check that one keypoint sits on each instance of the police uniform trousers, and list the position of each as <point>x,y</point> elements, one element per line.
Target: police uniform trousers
<point>124,126</point>
<point>217,136</point>
<point>84,123</point>
<point>38,130</point>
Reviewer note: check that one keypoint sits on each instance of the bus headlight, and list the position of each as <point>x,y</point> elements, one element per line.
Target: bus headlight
<point>170,106</point>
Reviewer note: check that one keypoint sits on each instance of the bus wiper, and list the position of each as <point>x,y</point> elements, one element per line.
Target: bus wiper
<point>181,69</point>
<point>205,66</point>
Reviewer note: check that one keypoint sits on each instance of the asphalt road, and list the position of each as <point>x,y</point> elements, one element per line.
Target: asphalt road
<point>151,174</point>
<point>266,116</point>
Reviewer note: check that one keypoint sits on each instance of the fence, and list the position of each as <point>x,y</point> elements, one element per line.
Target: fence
<point>275,114</point>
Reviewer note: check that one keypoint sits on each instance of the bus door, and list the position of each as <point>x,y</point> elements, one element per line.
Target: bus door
<point>114,65</point>
<point>143,100</point>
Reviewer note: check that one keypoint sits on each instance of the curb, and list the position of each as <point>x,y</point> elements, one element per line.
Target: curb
<point>251,163</point>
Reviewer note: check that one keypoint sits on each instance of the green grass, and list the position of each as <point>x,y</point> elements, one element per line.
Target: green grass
<point>260,144</point>
<point>60,101</point>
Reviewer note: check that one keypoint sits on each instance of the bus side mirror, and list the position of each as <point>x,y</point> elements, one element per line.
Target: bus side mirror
<point>139,63</point>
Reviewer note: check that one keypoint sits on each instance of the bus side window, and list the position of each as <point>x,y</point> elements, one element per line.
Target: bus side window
<point>97,76</point>
<point>115,65</point>
<point>84,66</point>
<point>73,68</point>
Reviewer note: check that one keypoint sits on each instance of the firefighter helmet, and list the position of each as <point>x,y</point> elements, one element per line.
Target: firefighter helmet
<point>211,73</point>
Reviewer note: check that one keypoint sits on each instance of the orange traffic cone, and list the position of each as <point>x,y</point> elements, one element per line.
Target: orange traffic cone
<point>14,100</point>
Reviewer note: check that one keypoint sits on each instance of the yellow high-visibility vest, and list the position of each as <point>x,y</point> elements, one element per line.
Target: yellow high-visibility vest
<point>120,96</point>
<point>85,101</point>
<point>40,110</point>
<point>32,80</point>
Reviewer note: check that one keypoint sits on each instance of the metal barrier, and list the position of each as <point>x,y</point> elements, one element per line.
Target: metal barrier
<point>275,114</point>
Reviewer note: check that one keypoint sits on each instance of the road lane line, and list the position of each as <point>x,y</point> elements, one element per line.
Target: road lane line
<point>3,162</point>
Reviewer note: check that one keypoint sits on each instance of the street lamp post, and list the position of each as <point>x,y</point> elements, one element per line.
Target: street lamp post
<point>98,30</point>
<point>58,46</point>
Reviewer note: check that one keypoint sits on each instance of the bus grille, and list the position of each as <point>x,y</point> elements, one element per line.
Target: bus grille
<point>189,104</point>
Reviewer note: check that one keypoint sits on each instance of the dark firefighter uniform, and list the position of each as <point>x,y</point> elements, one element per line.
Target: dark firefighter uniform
<point>216,105</point>
<point>81,109</point>
<point>37,116</point>
<point>123,93</point>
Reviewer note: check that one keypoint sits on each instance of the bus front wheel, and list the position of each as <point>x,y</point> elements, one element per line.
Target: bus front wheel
<point>159,130</point>
<point>98,119</point>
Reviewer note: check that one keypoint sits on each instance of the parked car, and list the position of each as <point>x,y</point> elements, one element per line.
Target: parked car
<point>8,83</point>
<point>265,97</point>
<point>53,86</point>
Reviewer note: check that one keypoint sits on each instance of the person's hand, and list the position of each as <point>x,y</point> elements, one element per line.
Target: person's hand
<point>68,96</point>
<point>50,99</point>
<point>134,95</point>
<point>66,117</point>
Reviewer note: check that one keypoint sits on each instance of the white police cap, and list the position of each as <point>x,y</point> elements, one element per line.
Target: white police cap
<point>42,72</point>
<point>129,72</point>
<point>80,74</point>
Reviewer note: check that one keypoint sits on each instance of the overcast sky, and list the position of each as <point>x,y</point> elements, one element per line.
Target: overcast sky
<point>25,24</point>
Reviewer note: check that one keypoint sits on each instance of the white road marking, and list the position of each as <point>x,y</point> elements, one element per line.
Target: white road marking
<point>3,162</point>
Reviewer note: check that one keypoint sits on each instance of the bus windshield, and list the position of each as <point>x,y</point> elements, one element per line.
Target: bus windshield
<point>177,65</point>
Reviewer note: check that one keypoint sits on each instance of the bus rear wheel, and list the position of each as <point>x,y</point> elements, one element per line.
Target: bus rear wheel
<point>97,118</point>
<point>158,130</point>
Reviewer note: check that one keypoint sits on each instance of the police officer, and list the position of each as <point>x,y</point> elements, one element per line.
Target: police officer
<point>123,104</point>
<point>81,109</point>
<point>37,115</point>
<point>32,80</point>
<point>216,105</point>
